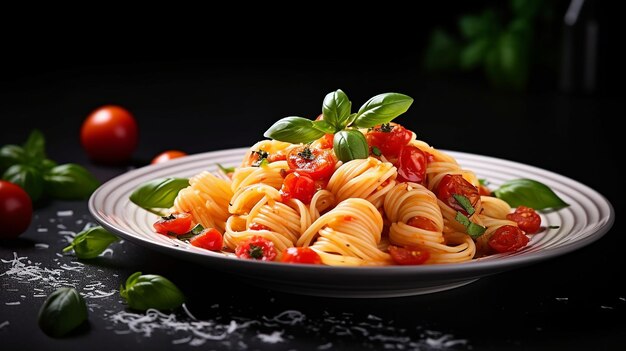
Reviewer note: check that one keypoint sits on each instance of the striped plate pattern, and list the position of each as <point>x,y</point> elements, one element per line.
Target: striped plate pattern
<point>588,218</point>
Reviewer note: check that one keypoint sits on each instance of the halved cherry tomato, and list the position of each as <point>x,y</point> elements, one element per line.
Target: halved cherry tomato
<point>109,134</point>
<point>526,218</point>
<point>256,248</point>
<point>298,186</point>
<point>316,163</point>
<point>390,143</point>
<point>483,190</point>
<point>16,210</point>
<point>176,223</point>
<point>326,142</point>
<point>452,184</point>
<point>422,223</point>
<point>257,226</point>
<point>508,239</point>
<point>167,155</point>
<point>408,255</point>
<point>304,255</point>
<point>209,239</point>
<point>411,165</point>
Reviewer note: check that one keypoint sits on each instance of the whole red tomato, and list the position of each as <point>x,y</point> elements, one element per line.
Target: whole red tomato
<point>16,210</point>
<point>109,135</point>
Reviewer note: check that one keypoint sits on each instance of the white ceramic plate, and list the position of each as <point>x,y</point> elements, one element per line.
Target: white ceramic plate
<point>588,217</point>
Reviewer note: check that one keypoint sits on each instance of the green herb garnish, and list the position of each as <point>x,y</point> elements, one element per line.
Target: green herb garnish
<point>63,311</point>
<point>554,226</point>
<point>262,157</point>
<point>256,252</point>
<point>306,154</point>
<point>226,170</point>
<point>376,151</point>
<point>91,243</point>
<point>465,203</point>
<point>386,128</point>
<point>472,229</point>
<point>158,194</point>
<point>143,292</point>
<point>529,193</point>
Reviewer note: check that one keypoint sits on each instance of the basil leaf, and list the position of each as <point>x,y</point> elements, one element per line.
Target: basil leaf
<point>350,145</point>
<point>34,148</point>
<point>11,155</point>
<point>475,231</point>
<point>336,109</point>
<point>158,193</point>
<point>143,292</point>
<point>376,151</point>
<point>293,130</point>
<point>63,311</point>
<point>324,126</point>
<point>46,165</point>
<point>530,193</point>
<point>27,177</point>
<point>465,203</point>
<point>70,182</point>
<point>91,243</point>
<point>461,218</point>
<point>382,109</point>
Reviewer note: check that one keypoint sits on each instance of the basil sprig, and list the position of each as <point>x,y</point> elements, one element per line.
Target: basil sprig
<point>29,167</point>
<point>530,193</point>
<point>63,311</point>
<point>142,292</point>
<point>91,242</point>
<point>472,229</point>
<point>338,118</point>
<point>158,193</point>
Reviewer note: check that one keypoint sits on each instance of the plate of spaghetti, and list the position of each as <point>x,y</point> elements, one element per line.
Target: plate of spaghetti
<point>352,204</point>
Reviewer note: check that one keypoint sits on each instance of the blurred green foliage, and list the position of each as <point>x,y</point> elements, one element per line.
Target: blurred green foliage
<point>498,42</point>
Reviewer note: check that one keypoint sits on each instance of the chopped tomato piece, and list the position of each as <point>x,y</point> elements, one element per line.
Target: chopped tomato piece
<point>256,248</point>
<point>390,139</point>
<point>422,223</point>
<point>209,239</point>
<point>455,184</point>
<point>484,191</point>
<point>257,226</point>
<point>316,163</point>
<point>508,238</point>
<point>176,223</point>
<point>304,255</point>
<point>411,165</point>
<point>526,218</point>
<point>298,186</point>
<point>408,255</point>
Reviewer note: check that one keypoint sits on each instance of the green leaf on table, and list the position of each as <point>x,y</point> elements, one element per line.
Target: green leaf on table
<point>143,292</point>
<point>529,193</point>
<point>158,193</point>
<point>381,109</point>
<point>91,243</point>
<point>70,182</point>
<point>350,145</point>
<point>63,311</point>
<point>294,130</point>
<point>27,177</point>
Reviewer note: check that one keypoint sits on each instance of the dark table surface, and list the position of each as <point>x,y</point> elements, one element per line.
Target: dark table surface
<point>570,302</point>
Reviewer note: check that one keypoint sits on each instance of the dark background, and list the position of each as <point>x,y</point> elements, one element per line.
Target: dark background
<point>197,86</point>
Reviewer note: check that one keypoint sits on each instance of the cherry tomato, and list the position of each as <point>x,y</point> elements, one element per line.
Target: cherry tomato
<point>526,218</point>
<point>483,190</point>
<point>411,165</point>
<point>176,223</point>
<point>408,255</point>
<point>209,239</point>
<point>422,223</point>
<point>298,186</point>
<point>390,143</point>
<point>317,163</point>
<point>257,226</point>
<point>16,210</point>
<point>304,255</point>
<point>109,135</point>
<point>455,184</point>
<point>256,248</point>
<point>508,239</point>
<point>167,155</point>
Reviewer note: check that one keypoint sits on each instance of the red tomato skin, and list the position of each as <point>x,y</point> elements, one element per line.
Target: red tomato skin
<point>257,226</point>
<point>167,155</point>
<point>411,165</point>
<point>302,255</point>
<point>247,247</point>
<point>526,218</point>
<point>389,143</point>
<point>298,186</point>
<point>320,167</point>
<point>109,135</point>
<point>209,239</point>
<point>408,255</point>
<point>422,223</point>
<point>178,226</point>
<point>455,184</point>
<point>508,238</point>
<point>16,210</point>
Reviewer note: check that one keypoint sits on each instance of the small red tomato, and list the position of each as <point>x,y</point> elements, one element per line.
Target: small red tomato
<point>298,186</point>
<point>455,184</point>
<point>176,223</point>
<point>508,239</point>
<point>167,155</point>
<point>390,142</point>
<point>304,255</point>
<point>526,218</point>
<point>411,165</point>
<point>256,248</point>
<point>422,223</point>
<point>408,255</point>
<point>16,210</point>
<point>257,226</point>
<point>109,135</point>
<point>316,163</point>
<point>209,239</point>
